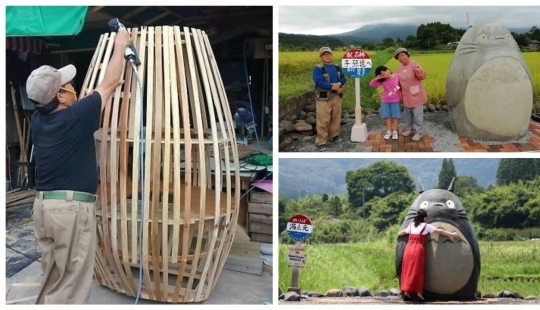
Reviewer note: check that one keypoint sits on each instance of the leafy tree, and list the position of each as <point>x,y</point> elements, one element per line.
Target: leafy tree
<point>335,206</point>
<point>448,172</point>
<point>379,179</point>
<point>386,211</point>
<point>511,170</point>
<point>324,197</point>
<point>466,185</point>
<point>516,205</point>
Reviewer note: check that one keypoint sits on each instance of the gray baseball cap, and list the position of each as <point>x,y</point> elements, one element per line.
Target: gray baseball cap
<point>44,82</point>
<point>324,49</point>
<point>400,50</point>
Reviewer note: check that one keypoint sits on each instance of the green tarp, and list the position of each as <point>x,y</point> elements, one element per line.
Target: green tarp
<point>44,20</point>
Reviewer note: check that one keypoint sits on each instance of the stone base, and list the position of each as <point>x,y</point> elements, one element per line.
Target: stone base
<point>359,133</point>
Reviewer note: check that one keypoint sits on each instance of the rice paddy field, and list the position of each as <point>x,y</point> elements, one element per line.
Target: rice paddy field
<point>509,266</point>
<point>295,70</point>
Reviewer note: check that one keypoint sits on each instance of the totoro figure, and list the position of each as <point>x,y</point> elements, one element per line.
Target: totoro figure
<point>452,266</point>
<point>489,89</point>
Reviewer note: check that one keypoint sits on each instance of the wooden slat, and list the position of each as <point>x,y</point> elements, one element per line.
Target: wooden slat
<point>190,211</point>
<point>185,110</point>
<point>156,175</point>
<point>104,167</point>
<point>167,157</point>
<point>126,102</point>
<point>149,117</point>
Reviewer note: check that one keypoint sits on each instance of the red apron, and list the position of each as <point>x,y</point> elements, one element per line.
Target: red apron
<point>412,267</point>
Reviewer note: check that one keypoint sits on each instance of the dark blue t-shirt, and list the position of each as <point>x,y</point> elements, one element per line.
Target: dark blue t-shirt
<point>64,146</point>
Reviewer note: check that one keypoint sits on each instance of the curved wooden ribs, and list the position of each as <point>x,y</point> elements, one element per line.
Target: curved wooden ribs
<point>185,196</point>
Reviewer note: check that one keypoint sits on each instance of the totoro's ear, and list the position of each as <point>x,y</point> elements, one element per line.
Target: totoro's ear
<point>420,186</point>
<point>498,19</point>
<point>469,20</point>
<point>451,187</point>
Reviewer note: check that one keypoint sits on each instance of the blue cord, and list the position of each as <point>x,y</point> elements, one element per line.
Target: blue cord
<point>141,165</point>
<point>249,95</point>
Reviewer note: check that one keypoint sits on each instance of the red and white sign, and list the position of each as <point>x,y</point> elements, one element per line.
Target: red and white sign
<point>356,63</point>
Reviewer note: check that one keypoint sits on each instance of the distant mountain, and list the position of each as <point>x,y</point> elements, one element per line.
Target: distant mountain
<point>376,33</point>
<point>298,177</point>
<point>519,30</point>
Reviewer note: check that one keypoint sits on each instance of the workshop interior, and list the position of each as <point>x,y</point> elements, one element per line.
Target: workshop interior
<point>241,41</point>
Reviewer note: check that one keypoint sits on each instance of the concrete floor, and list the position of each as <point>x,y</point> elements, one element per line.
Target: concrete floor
<point>231,288</point>
<point>23,273</point>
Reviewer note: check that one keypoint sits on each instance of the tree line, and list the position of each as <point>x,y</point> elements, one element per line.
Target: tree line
<point>428,36</point>
<point>380,195</point>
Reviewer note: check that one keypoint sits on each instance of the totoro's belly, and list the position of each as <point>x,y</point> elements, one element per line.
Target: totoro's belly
<point>498,98</point>
<point>449,262</point>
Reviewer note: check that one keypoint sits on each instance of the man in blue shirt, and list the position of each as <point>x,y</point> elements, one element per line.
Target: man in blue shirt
<point>66,177</point>
<point>329,81</point>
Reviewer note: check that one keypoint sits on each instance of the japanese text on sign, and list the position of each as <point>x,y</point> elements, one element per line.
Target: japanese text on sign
<point>356,63</point>
<point>299,227</point>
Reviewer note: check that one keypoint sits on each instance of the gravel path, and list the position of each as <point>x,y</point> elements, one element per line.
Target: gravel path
<point>397,300</point>
<point>436,124</point>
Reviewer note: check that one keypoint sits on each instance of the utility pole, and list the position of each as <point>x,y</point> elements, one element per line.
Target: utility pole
<point>332,189</point>
<point>363,201</point>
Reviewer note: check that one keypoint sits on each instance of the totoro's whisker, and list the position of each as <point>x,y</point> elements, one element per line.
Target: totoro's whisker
<point>467,53</point>
<point>468,48</point>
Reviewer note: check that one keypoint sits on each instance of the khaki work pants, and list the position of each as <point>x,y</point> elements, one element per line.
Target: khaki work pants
<point>66,233</point>
<point>328,119</point>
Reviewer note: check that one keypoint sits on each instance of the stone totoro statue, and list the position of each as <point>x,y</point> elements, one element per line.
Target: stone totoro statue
<point>489,89</point>
<point>452,266</point>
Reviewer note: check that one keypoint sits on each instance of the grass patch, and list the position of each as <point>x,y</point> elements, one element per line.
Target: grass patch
<point>512,266</point>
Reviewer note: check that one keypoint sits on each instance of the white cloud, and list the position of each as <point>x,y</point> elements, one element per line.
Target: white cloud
<point>322,20</point>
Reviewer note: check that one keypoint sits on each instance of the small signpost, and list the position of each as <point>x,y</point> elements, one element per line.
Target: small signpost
<point>299,228</point>
<point>357,64</point>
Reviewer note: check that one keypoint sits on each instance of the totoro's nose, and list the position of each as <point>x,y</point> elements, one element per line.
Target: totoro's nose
<point>438,205</point>
<point>500,37</point>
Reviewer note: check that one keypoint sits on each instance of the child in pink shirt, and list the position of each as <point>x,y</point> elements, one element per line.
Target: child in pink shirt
<point>390,99</point>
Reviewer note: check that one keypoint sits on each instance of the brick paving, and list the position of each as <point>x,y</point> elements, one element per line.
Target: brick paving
<point>406,144</point>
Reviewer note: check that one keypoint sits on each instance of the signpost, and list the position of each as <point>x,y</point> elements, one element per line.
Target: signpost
<point>299,228</point>
<point>357,64</point>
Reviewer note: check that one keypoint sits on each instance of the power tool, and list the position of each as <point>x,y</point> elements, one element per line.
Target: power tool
<point>130,53</point>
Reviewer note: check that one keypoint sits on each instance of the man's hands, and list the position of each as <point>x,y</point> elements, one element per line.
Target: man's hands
<point>340,91</point>
<point>122,40</point>
<point>336,86</point>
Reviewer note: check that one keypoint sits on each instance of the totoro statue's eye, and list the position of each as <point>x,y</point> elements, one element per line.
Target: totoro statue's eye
<point>424,204</point>
<point>508,36</point>
<point>450,204</point>
<point>481,38</point>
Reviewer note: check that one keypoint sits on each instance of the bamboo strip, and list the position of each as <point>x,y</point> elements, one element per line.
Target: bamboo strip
<point>210,105</point>
<point>148,163</point>
<point>126,101</point>
<point>190,210</point>
<point>157,102</point>
<point>167,159</point>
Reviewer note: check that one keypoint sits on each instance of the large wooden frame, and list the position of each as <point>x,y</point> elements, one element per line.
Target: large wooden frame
<point>190,169</point>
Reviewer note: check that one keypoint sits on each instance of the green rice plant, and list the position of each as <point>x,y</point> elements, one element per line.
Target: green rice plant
<point>508,265</point>
<point>295,77</point>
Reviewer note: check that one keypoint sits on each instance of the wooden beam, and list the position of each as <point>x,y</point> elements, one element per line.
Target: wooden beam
<point>125,22</point>
<point>96,9</point>
<point>87,49</point>
<point>172,12</point>
<point>155,18</point>
<point>238,31</point>
<point>135,12</point>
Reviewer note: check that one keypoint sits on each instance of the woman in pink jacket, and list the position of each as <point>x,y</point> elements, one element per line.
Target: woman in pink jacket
<point>413,93</point>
